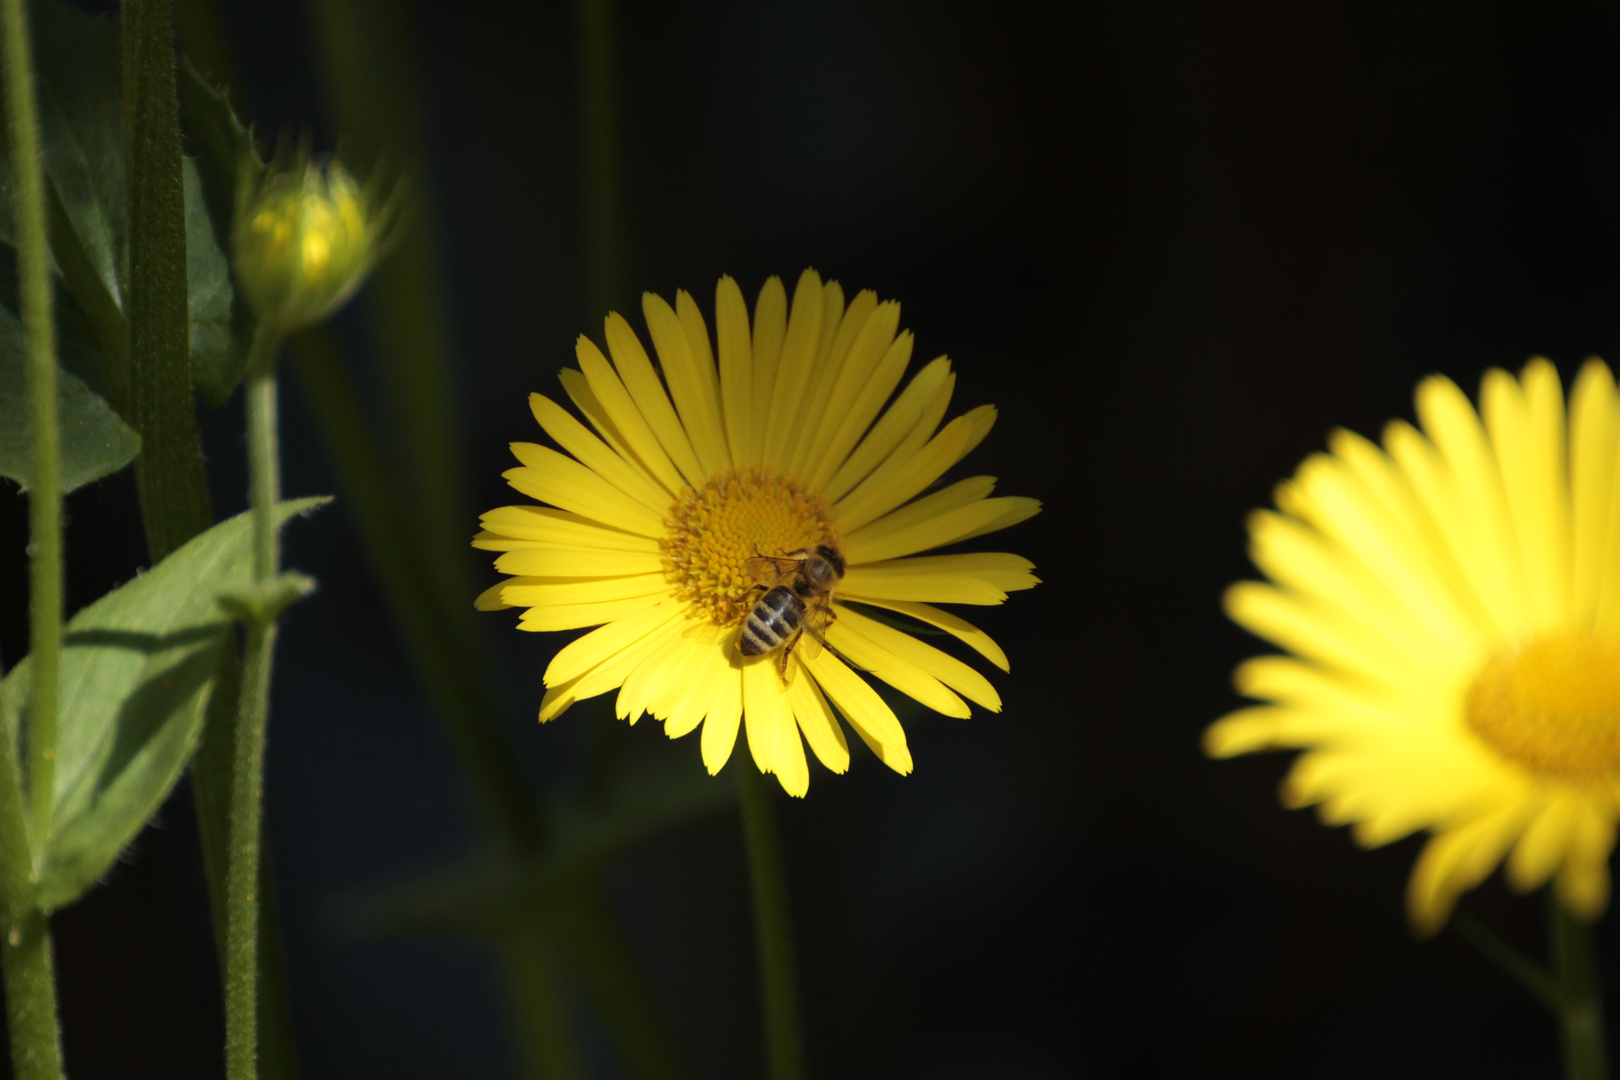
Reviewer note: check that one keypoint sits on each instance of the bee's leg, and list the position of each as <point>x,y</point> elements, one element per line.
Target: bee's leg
<point>787,651</point>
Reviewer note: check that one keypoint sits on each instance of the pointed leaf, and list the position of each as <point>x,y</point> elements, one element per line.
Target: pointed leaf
<point>95,442</point>
<point>137,670</point>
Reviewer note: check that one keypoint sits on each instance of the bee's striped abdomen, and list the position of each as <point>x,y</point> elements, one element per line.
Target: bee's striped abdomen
<point>773,621</point>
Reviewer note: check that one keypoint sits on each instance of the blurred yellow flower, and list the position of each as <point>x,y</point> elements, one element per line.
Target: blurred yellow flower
<point>1452,604</point>
<point>305,237</point>
<point>660,510</point>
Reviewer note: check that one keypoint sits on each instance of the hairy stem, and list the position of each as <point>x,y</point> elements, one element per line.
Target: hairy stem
<point>242,878</point>
<point>169,471</point>
<point>36,1047</point>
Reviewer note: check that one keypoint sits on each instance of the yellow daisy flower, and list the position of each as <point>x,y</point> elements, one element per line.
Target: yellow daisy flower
<point>1452,604</point>
<point>660,512</point>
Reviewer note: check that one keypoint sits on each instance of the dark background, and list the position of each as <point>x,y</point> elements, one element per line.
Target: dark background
<point>1175,244</point>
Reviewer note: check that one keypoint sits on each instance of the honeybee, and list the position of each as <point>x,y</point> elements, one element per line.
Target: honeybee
<point>797,600</point>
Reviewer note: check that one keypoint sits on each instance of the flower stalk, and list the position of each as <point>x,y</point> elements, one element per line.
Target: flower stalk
<point>1580,998</point>
<point>247,773</point>
<point>784,1042</point>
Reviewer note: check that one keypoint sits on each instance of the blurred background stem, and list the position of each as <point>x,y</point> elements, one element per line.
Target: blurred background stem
<point>30,979</point>
<point>779,989</point>
<point>1580,1012</point>
<point>601,175</point>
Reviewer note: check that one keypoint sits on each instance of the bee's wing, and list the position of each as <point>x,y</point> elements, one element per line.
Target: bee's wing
<point>766,570</point>
<point>818,616</point>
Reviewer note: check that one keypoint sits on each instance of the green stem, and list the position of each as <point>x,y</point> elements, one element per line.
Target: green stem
<point>36,1048</point>
<point>169,471</point>
<point>264,455</point>
<point>784,1043</point>
<point>45,490</point>
<point>243,872</point>
<point>545,1037</point>
<point>1529,974</point>
<point>25,948</point>
<point>1580,1012</point>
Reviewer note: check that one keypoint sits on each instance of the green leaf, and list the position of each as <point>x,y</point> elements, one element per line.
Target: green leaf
<point>221,324</point>
<point>82,134</point>
<point>137,670</point>
<point>95,442</point>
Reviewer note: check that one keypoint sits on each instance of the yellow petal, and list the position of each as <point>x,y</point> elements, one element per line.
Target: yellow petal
<point>893,481</point>
<point>1545,842</point>
<point>954,625</point>
<point>551,561</point>
<point>863,710</point>
<point>620,413</point>
<point>901,418</point>
<point>1455,861</point>
<point>563,482</point>
<point>800,349</point>
<point>743,433</point>
<point>1473,507</point>
<point>584,653</point>
<point>815,718</point>
<point>597,456</point>
<point>551,617</point>
<point>1583,880</point>
<point>1525,424</point>
<point>635,368</point>
<point>770,328</point>
<point>773,736</point>
<point>490,599</point>
<point>838,341</point>
<point>546,525</point>
<point>981,577</point>
<point>1015,509</point>
<point>876,362</point>
<point>691,381</point>
<point>927,659</point>
<point>599,679</point>
<point>935,530</point>
<point>899,673</point>
<point>725,714</point>
<point>639,686</point>
<point>545,592</point>
<point>1594,443</point>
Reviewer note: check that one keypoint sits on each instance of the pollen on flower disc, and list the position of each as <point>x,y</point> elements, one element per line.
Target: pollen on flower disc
<point>1553,705</point>
<point>737,515</point>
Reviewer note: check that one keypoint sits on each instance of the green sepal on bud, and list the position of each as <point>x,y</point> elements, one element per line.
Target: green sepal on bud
<point>304,238</point>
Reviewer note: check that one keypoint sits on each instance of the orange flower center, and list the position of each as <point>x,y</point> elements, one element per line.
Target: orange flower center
<point>737,515</point>
<point>1552,705</point>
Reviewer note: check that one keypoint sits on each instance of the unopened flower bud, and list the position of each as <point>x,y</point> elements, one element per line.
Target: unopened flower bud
<point>305,238</point>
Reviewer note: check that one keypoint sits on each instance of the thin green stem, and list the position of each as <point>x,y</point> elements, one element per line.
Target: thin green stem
<point>264,455</point>
<point>1580,1012</point>
<point>169,471</point>
<point>36,1048</point>
<point>1529,974</point>
<point>784,1043</point>
<point>25,948</point>
<point>242,878</point>
<point>45,491</point>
